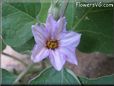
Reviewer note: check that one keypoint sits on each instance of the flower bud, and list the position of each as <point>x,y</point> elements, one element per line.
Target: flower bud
<point>54,9</point>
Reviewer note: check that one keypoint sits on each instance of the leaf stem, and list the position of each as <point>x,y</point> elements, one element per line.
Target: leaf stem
<point>22,74</point>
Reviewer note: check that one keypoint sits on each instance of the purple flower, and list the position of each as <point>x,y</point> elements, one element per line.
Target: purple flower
<point>53,41</point>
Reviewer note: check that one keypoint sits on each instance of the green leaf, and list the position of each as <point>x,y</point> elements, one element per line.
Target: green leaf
<point>70,15</point>
<point>17,21</point>
<point>25,47</point>
<point>105,80</point>
<point>52,76</point>
<point>31,9</point>
<point>96,26</point>
<point>44,11</point>
<point>7,77</point>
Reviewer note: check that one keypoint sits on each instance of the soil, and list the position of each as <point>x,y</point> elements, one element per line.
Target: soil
<point>93,65</point>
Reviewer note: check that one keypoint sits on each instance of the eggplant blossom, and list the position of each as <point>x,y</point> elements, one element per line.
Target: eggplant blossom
<point>54,42</point>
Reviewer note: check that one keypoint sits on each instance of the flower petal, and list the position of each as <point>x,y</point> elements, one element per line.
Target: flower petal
<point>61,25</point>
<point>57,59</point>
<point>51,25</point>
<point>39,33</point>
<point>70,54</point>
<point>69,38</point>
<point>39,53</point>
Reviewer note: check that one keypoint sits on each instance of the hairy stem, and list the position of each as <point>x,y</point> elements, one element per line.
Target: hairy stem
<point>22,74</point>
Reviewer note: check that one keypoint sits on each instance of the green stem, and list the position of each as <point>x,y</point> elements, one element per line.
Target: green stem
<point>21,75</point>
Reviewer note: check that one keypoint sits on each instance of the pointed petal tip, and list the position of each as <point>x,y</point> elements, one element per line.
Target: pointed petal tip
<point>33,59</point>
<point>57,60</point>
<point>58,69</point>
<point>79,34</point>
<point>33,26</point>
<point>62,19</point>
<point>76,63</point>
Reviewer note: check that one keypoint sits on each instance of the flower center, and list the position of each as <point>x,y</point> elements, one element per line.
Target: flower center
<point>52,44</point>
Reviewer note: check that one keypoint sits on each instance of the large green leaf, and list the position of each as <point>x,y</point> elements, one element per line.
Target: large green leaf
<point>17,21</point>
<point>42,18</point>
<point>70,15</point>
<point>96,26</point>
<point>51,76</point>
<point>7,77</point>
<point>44,11</point>
<point>105,80</point>
<point>27,47</point>
<point>31,9</point>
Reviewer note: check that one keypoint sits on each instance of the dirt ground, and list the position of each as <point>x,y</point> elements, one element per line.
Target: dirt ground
<point>93,65</point>
<point>90,65</point>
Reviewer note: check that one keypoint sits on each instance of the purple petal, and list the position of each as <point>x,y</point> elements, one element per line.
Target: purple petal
<point>61,25</point>
<point>51,25</point>
<point>39,53</point>
<point>69,38</point>
<point>51,22</point>
<point>70,54</point>
<point>57,59</point>
<point>40,34</point>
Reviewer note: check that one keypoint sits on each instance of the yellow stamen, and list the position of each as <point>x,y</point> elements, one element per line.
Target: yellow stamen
<point>52,44</point>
